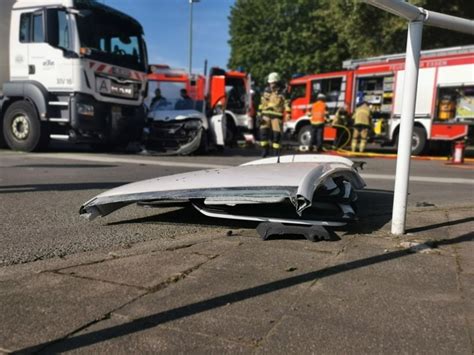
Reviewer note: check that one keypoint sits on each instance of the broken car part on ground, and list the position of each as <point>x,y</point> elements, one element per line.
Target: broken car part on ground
<point>305,190</point>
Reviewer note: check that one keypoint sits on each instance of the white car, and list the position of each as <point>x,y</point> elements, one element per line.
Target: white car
<point>174,129</point>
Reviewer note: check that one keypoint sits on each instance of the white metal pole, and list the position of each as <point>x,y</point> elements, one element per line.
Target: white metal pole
<point>412,63</point>
<point>190,68</point>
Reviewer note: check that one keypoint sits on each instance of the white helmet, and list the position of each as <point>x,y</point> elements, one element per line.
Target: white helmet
<point>273,77</point>
<point>321,97</point>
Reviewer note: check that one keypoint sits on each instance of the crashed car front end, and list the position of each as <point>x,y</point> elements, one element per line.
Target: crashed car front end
<point>175,132</point>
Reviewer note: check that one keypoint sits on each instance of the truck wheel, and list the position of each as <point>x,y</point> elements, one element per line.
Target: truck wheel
<point>305,135</point>
<point>22,128</point>
<point>418,141</point>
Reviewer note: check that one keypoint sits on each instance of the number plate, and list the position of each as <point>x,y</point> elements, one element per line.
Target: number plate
<point>106,86</point>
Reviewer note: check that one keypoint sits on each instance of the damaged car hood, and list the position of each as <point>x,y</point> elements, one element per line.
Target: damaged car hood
<point>293,178</point>
<point>175,115</point>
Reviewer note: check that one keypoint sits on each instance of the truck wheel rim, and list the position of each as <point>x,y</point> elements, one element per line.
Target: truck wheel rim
<point>305,138</point>
<point>20,127</point>
<point>415,141</point>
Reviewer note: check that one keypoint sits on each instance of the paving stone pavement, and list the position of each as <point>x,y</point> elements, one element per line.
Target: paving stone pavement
<point>368,292</point>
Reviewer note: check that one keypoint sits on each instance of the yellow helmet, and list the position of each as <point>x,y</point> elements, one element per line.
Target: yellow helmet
<point>273,77</point>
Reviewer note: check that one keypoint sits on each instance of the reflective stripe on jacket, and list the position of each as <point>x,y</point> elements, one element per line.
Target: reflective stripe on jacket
<point>318,113</point>
<point>362,115</point>
<point>273,104</point>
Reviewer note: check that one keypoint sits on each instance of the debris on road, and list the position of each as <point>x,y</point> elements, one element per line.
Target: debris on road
<point>304,190</point>
<point>419,247</point>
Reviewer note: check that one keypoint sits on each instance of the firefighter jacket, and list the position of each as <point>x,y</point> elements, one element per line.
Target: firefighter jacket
<point>318,113</point>
<point>274,104</point>
<point>362,116</point>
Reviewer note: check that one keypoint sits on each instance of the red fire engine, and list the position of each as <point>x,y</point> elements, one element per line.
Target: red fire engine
<point>444,104</point>
<point>171,81</point>
<point>223,92</point>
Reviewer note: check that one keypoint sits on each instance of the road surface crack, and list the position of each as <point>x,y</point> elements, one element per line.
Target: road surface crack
<point>148,291</point>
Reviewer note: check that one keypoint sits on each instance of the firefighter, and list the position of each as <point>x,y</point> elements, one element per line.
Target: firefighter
<point>340,122</point>
<point>272,108</point>
<point>318,119</point>
<point>362,124</point>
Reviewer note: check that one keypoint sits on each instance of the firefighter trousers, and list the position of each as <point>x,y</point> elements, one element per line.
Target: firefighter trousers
<point>361,132</point>
<point>270,132</point>
<point>317,136</point>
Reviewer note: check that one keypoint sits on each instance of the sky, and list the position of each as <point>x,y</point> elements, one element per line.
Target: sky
<point>166,27</point>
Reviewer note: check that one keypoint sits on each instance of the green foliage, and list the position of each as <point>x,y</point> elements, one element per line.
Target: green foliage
<point>310,36</point>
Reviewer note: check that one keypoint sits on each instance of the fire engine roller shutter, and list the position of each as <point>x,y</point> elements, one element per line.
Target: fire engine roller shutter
<point>424,94</point>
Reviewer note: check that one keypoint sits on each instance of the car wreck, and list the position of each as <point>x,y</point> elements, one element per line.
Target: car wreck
<point>297,190</point>
<point>175,129</point>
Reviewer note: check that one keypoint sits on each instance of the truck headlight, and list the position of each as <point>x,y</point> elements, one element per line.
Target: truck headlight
<point>85,110</point>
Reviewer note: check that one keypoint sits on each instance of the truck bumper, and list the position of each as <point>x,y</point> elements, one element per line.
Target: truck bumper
<point>96,121</point>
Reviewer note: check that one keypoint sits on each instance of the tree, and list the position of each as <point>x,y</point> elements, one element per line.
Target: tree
<point>309,36</point>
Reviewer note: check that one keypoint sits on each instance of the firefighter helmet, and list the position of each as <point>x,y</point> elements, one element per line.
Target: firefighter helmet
<point>321,96</point>
<point>273,77</point>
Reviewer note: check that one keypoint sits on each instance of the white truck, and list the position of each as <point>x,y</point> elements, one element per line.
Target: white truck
<point>71,70</point>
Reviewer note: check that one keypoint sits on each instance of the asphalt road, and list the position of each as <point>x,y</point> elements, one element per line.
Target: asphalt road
<point>41,194</point>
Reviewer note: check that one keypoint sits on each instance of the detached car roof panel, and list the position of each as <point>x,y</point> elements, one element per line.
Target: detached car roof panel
<point>295,178</point>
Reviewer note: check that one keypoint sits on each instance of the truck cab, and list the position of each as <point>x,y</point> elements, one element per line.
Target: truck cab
<point>76,71</point>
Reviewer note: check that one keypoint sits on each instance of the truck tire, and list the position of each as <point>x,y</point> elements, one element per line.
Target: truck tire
<point>418,141</point>
<point>305,135</point>
<point>22,128</point>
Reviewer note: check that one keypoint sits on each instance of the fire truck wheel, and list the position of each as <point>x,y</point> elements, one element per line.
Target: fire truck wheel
<point>22,128</point>
<point>305,135</point>
<point>418,141</point>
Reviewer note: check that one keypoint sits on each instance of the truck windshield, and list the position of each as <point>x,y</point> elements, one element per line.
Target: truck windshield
<point>112,38</point>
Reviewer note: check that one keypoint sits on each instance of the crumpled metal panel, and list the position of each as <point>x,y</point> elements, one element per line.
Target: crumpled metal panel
<point>294,178</point>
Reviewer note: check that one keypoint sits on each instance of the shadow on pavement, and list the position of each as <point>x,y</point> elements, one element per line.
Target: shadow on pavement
<point>374,209</point>
<point>440,225</point>
<point>140,324</point>
<point>59,187</point>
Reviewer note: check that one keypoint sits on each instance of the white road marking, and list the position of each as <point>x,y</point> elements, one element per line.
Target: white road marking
<point>102,159</point>
<point>111,159</point>
<point>420,179</point>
